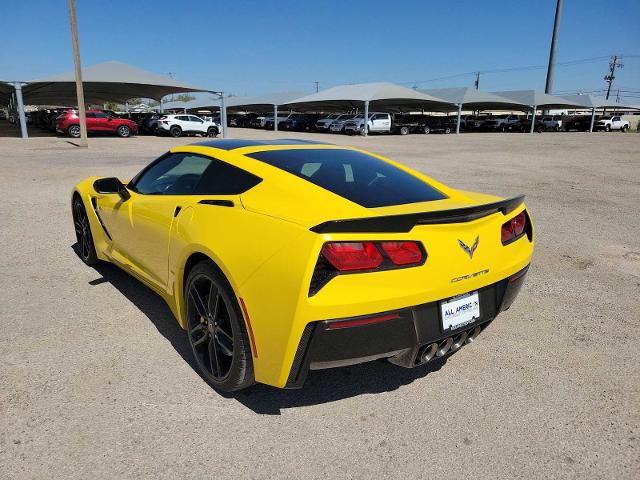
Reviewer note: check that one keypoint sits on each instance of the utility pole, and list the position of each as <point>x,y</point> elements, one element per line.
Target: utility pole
<point>552,52</point>
<point>613,64</point>
<point>317,86</point>
<point>477,82</point>
<point>76,60</point>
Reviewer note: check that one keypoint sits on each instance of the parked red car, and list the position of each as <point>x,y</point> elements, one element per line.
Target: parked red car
<point>97,121</point>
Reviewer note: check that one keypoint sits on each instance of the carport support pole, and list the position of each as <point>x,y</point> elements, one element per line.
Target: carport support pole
<point>458,122</point>
<point>533,118</point>
<point>20,108</point>
<point>275,118</point>
<point>76,61</point>
<point>593,119</point>
<point>366,118</point>
<point>223,115</point>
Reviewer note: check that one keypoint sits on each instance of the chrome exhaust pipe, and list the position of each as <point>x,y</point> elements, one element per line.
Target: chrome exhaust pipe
<point>458,341</point>
<point>444,346</point>
<point>473,334</point>
<point>428,353</point>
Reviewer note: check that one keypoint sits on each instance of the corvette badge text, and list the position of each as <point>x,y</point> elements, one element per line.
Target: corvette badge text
<point>471,275</point>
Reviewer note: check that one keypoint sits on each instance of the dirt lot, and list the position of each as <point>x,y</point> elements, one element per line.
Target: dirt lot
<point>96,380</point>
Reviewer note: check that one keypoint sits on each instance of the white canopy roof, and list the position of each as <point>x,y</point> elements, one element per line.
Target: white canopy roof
<point>537,98</point>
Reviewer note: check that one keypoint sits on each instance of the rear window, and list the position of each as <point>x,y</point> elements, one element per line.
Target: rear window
<point>358,177</point>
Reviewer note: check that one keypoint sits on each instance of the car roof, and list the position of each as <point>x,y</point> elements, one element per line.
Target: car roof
<point>232,144</point>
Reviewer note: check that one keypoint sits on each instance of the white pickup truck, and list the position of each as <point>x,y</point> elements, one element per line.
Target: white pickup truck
<point>377,122</point>
<point>552,123</point>
<point>611,123</point>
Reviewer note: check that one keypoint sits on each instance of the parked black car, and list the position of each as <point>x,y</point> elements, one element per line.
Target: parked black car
<point>299,122</point>
<point>429,124</point>
<point>581,123</point>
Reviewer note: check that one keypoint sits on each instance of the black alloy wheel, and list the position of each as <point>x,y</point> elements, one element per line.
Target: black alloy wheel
<point>216,330</point>
<point>212,132</point>
<point>175,131</point>
<point>86,248</point>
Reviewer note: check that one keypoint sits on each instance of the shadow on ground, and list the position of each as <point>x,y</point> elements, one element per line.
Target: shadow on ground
<point>321,386</point>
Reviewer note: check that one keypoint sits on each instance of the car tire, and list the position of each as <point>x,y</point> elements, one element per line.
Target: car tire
<point>426,129</point>
<point>82,227</point>
<point>624,129</point>
<point>404,130</point>
<point>212,132</point>
<point>216,330</point>
<point>175,131</point>
<point>123,131</point>
<point>607,128</point>
<point>447,131</point>
<point>74,131</point>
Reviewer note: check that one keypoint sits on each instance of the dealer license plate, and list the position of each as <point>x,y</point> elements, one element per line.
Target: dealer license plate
<point>459,311</point>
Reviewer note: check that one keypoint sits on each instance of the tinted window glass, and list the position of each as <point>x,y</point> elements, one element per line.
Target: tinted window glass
<point>195,119</point>
<point>222,178</point>
<point>177,174</point>
<point>101,115</point>
<point>356,176</point>
<point>90,115</point>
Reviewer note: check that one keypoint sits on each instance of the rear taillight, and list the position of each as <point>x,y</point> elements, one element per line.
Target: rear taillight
<point>402,253</point>
<point>348,256</point>
<point>514,228</point>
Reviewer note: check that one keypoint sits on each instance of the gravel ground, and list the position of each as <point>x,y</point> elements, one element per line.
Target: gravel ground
<point>96,379</point>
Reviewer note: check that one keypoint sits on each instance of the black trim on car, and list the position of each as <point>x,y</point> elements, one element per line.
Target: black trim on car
<point>405,222</point>
<point>94,204</point>
<point>220,203</point>
<point>398,338</point>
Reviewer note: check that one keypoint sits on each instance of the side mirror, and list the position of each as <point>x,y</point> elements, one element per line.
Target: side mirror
<point>111,185</point>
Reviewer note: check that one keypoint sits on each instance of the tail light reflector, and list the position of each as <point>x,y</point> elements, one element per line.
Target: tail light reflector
<point>347,256</point>
<point>357,322</point>
<point>402,253</point>
<point>514,228</point>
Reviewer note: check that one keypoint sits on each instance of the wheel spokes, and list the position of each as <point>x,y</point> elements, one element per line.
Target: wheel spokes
<point>201,306</point>
<point>214,361</point>
<point>213,301</point>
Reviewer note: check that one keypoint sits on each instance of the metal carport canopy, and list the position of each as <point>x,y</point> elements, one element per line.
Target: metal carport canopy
<point>537,99</point>
<point>473,99</point>
<point>379,95</point>
<point>594,101</point>
<point>104,82</point>
<point>262,103</point>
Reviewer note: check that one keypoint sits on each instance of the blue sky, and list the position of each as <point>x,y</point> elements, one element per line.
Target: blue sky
<point>254,47</point>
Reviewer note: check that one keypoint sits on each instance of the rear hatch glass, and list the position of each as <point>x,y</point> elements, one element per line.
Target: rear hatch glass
<point>356,176</point>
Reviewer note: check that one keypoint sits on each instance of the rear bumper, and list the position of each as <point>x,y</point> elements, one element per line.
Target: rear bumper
<point>402,338</point>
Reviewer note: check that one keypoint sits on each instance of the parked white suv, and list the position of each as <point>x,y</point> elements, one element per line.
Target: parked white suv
<point>377,122</point>
<point>611,123</point>
<point>178,125</point>
<point>552,123</point>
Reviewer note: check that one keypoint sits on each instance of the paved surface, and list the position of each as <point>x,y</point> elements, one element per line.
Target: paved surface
<point>96,380</point>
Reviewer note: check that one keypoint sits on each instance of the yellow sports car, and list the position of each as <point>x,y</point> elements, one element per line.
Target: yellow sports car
<point>280,257</point>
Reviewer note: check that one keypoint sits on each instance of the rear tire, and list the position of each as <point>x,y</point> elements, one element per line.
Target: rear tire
<point>124,131</point>
<point>426,129</point>
<point>216,330</point>
<point>447,131</point>
<point>74,131</point>
<point>404,130</point>
<point>175,131</point>
<point>624,129</point>
<point>607,128</point>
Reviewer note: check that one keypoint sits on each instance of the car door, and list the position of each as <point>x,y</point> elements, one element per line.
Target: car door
<point>197,124</point>
<point>102,122</point>
<point>615,123</point>
<point>91,122</point>
<point>140,227</point>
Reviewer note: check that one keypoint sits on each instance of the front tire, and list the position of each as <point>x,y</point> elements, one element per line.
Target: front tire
<point>404,130</point>
<point>212,132</point>
<point>216,330</point>
<point>124,131</point>
<point>86,247</point>
<point>607,128</point>
<point>624,129</point>
<point>426,130</point>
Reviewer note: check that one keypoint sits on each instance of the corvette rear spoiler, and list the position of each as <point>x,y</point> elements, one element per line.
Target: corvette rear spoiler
<point>405,222</point>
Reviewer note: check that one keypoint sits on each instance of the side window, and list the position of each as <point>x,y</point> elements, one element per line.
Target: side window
<point>177,174</point>
<point>90,115</point>
<point>222,178</point>
<point>616,119</point>
<point>101,115</point>
<point>195,119</point>
<point>182,118</point>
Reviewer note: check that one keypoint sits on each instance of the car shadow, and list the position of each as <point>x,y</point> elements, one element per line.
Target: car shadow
<point>322,386</point>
